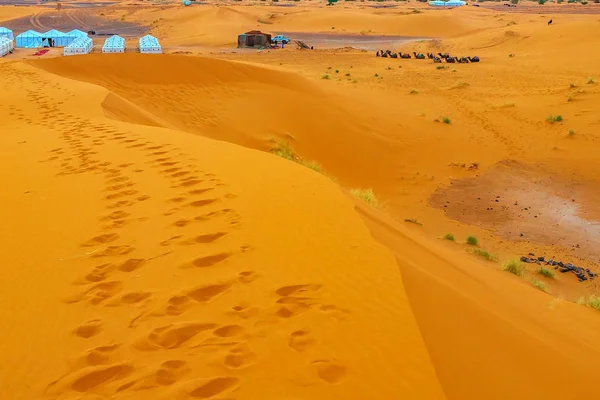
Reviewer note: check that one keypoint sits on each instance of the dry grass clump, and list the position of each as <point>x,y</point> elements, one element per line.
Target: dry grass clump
<point>591,301</point>
<point>366,195</point>
<point>548,273</point>
<point>449,236</point>
<point>485,254</point>
<point>514,267</point>
<point>540,285</point>
<point>472,240</point>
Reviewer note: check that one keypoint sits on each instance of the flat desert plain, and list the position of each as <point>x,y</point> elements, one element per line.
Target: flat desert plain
<point>223,223</point>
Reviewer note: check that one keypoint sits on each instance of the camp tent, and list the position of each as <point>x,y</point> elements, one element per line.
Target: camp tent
<point>450,3</point>
<point>114,44</point>
<point>149,44</point>
<point>75,33</point>
<point>29,40</point>
<point>254,39</point>
<point>57,38</point>
<point>6,46</point>
<point>81,45</point>
<point>7,33</point>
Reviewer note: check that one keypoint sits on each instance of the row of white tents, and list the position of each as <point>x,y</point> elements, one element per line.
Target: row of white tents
<point>53,38</point>
<point>73,42</point>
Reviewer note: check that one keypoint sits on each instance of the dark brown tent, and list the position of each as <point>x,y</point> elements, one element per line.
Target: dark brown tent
<point>254,39</point>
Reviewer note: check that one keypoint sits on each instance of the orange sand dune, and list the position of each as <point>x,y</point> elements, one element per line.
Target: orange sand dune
<point>143,261</point>
<point>147,263</point>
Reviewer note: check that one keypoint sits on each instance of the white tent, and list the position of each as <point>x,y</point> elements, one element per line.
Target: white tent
<point>29,40</point>
<point>149,44</point>
<point>81,45</point>
<point>59,39</point>
<point>6,46</point>
<point>114,44</point>
<point>7,33</point>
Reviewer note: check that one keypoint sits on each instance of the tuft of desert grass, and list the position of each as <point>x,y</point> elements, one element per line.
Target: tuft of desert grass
<point>591,301</point>
<point>571,132</point>
<point>449,236</point>
<point>414,91</point>
<point>440,67</point>
<point>548,273</point>
<point>554,118</point>
<point>315,166</point>
<point>283,150</point>
<point>472,240</point>
<point>446,120</point>
<point>366,195</point>
<point>326,76</point>
<point>538,284</point>
<point>514,267</point>
<point>590,81</point>
<point>485,254</point>
<point>413,221</point>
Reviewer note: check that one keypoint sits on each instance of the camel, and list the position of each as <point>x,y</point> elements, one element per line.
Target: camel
<point>445,55</point>
<point>377,54</point>
<point>473,59</point>
<point>431,56</point>
<point>437,60</point>
<point>461,60</point>
<point>404,55</point>
<point>393,55</point>
<point>419,56</point>
<point>549,22</point>
<point>450,59</point>
<point>384,54</point>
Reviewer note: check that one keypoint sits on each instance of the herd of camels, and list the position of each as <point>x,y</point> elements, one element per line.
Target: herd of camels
<point>420,56</point>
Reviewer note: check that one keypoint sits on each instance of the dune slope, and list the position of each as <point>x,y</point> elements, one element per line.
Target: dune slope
<point>142,262</point>
<point>490,334</point>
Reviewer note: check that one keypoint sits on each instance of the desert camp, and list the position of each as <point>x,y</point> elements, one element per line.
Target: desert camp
<point>303,200</point>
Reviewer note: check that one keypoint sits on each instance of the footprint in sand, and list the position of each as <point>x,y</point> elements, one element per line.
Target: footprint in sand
<point>114,251</point>
<point>172,336</point>
<point>247,276</point>
<point>330,372</point>
<point>203,239</point>
<point>208,261</point>
<point>101,239</point>
<point>206,293</point>
<point>100,273</point>
<point>228,331</point>
<point>131,265</point>
<point>88,329</point>
<point>213,387</point>
<point>295,289</point>
<point>97,376</point>
<point>301,340</point>
<point>202,203</point>
<point>241,356</point>
<point>97,293</point>
<point>101,355</point>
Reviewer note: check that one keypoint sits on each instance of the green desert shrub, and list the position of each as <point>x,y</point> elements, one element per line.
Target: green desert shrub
<point>283,150</point>
<point>514,267</point>
<point>367,195</point>
<point>554,118</point>
<point>591,301</point>
<point>472,240</point>
<point>485,254</point>
<point>449,236</point>
<point>326,76</point>
<point>548,273</point>
<point>446,120</point>
<point>540,285</point>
